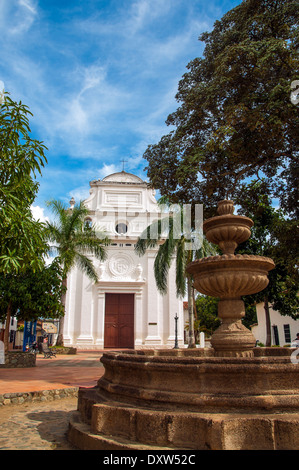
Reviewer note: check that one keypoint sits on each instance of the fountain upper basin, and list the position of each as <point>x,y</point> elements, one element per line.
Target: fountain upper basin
<point>230,276</point>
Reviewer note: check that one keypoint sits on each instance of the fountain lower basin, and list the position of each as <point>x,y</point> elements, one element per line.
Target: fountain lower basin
<point>190,399</point>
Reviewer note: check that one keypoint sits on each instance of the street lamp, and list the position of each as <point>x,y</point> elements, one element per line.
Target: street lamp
<point>176,344</point>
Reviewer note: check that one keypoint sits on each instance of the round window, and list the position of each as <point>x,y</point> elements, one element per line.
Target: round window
<point>121,228</point>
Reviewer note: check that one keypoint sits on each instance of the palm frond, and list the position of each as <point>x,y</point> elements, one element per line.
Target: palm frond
<point>181,261</point>
<point>52,232</point>
<point>148,238</point>
<point>73,242</point>
<point>171,226</point>
<point>68,259</point>
<point>162,263</point>
<point>206,249</point>
<point>75,219</point>
<point>86,265</point>
<point>88,243</point>
<point>58,208</point>
<point>157,230</point>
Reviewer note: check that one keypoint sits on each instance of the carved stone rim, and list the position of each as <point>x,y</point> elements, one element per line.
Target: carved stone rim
<point>227,219</point>
<point>230,260</point>
<point>213,259</point>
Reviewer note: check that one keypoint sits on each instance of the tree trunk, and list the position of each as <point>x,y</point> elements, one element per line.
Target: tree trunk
<point>191,341</point>
<point>7,326</point>
<point>59,341</point>
<point>268,324</point>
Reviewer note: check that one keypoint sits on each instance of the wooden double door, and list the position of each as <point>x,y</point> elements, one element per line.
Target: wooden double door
<point>119,321</point>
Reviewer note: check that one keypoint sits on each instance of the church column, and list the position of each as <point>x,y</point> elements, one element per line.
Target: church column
<point>68,330</point>
<point>85,337</point>
<point>154,305</point>
<point>99,318</point>
<point>139,320</point>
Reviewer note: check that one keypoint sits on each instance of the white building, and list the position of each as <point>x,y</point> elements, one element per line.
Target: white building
<point>283,328</point>
<point>124,309</point>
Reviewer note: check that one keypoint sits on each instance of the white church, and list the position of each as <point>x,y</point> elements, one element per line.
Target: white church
<point>124,308</point>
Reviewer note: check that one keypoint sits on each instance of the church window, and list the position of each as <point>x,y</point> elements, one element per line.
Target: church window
<point>88,223</point>
<point>275,335</point>
<point>121,228</point>
<point>287,333</point>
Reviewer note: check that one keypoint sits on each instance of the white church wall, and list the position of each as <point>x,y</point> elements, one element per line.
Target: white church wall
<point>153,307</point>
<point>86,312</point>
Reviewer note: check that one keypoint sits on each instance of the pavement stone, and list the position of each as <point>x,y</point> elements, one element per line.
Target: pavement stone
<point>36,402</point>
<point>36,426</point>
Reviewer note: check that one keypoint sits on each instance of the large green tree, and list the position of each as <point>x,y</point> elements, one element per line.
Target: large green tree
<point>75,242</point>
<point>236,119</point>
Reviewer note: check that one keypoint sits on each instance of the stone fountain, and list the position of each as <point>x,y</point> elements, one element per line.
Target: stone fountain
<point>230,396</point>
<point>229,277</point>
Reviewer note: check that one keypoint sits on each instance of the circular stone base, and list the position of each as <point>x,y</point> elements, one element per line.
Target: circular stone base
<point>174,400</point>
<point>136,429</point>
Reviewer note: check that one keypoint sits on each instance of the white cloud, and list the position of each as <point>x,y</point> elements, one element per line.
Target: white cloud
<point>92,77</point>
<point>79,194</point>
<point>76,119</point>
<point>17,16</point>
<point>88,107</point>
<point>108,170</point>
<point>29,5</point>
<point>144,12</point>
<point>38,214</point>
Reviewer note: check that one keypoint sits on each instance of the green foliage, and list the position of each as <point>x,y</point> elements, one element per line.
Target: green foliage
<point>235,118</point>
<point>250,313</point>
<point>32,295</point>
<point>21,237</point>
<point>207,315</point>
<point>21,154</point>
<point>276,236</point>
<point>74,242</point>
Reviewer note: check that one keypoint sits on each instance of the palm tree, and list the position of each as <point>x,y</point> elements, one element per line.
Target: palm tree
<point>163,232</point>
<point>74,242</point>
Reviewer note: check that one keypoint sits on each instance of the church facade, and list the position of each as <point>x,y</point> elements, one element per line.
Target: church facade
<point>124,308</point>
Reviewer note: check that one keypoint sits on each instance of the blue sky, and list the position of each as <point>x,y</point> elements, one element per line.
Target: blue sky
<point>100,78</point>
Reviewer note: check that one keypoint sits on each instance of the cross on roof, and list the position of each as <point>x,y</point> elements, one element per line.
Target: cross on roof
<point>123,162</point>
